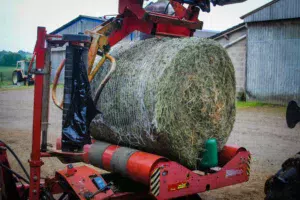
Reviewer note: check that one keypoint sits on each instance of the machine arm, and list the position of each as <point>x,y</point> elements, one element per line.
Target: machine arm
<point>132,17</point>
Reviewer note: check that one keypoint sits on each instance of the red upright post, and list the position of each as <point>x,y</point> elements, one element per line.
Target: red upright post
<point>35,160</point>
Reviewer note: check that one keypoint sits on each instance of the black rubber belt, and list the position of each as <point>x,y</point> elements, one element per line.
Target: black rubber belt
<point>96,151</point>
<point>119,160</point>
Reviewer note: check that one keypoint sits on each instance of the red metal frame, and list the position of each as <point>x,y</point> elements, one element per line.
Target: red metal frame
<point>179,181</point>
<point>174,179</point>
<point>134,17</point>
<point>35,159</point>
<point>167,179</point>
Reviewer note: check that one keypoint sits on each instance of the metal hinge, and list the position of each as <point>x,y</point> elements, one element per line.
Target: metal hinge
<point>39,72</point>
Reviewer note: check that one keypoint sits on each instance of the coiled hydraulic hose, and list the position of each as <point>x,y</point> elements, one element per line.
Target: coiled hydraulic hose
<point>106,79</point>
<point>55,82</point>
<point>91,76</point>
<point>18,160</point>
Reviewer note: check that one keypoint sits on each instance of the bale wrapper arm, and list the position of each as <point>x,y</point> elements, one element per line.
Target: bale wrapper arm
<point>148,176</point>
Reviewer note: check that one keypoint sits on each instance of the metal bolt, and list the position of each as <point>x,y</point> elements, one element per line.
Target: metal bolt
<point>2,148</point>
<point>69,166</point>
<point>35,178</point>
<point>34,191</point>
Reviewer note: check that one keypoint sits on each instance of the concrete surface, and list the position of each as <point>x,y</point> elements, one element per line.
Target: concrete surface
<point>261,130</point>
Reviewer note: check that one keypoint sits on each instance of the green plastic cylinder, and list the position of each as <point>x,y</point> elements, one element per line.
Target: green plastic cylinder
<point>210,156</point>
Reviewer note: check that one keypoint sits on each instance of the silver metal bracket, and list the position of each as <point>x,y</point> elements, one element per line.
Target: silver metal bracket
<point>39,72</point>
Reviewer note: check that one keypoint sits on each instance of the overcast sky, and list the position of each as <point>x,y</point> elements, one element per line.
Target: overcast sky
<point>20,18</point>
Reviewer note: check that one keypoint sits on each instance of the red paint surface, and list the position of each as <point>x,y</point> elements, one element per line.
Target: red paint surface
<point>35,161</point>
<point>177,174</point>
<point>107,156</point>
<point>81,182</point>
<point>140,164</point>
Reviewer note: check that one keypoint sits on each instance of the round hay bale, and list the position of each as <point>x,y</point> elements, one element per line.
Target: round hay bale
<point>167,96</point>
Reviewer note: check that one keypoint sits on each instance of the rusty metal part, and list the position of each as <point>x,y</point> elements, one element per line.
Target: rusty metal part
<point>93,51</point>
<point>46,95</point>
<point>31,63</point>
<point>55,82</point>
<point>106,78</point>
<point>98,66</point>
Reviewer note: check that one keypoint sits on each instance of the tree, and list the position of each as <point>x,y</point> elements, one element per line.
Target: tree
<point>10,59</point>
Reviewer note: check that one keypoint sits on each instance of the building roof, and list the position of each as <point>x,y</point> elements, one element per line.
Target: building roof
<point>205,33</point>
<point>80,17</point>
<point>274,10</point>
<point>227,31</point>
<point>259,8</point>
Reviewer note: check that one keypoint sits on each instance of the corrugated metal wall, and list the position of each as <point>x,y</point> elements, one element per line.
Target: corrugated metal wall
<point>58,54</point>
<point>81,26</point>
<point>273,61</point>
<point>282,9</point>
<point>237,53</point>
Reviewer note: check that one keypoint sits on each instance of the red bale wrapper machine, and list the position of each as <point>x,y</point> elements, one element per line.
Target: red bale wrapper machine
<point>133,174</point>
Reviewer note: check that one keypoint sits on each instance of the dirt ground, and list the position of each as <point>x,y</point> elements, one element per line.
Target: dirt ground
<point>261,130</point>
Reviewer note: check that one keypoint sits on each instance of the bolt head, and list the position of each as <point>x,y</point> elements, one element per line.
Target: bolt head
<point>35,178</point>
<point>69,166</point>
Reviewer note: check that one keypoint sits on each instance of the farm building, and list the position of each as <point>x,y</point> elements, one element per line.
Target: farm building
<point>234,40</point>
<point>77,25</point>
<point>205,33</point>
<point>273,49</point>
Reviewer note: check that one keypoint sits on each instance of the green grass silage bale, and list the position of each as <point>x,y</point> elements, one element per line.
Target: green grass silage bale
<point>167,96</point>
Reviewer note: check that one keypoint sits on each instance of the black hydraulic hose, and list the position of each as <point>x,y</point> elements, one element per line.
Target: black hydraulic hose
<point>62,197</point>
<point>17,158</point>
<point>166,9</point>
<point>15,173</point>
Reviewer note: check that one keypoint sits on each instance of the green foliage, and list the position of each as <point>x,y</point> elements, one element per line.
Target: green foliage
<point>25,54</point>
<point>10,59</point>
<point>253,104</point>
<point>2,53</point>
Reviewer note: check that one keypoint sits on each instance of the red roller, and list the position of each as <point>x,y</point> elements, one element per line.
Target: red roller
<point>132,163</point>
<point>129,162</point>
<point>140,165</point>
<point>107,156</point>
<point>228,152</point>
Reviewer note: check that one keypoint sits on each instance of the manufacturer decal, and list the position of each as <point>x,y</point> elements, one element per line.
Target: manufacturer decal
<point>233,172</point>
<point>178,186</point>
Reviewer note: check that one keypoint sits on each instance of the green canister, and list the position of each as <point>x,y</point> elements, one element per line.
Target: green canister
<point>210,156</point>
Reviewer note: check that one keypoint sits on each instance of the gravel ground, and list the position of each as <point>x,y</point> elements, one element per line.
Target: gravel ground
<point>261,130</point>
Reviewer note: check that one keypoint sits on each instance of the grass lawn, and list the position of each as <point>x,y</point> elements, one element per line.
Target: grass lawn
<point>252,104</point>
<point>6,77</point>
<point>6,73</point>
<point>6,81</point>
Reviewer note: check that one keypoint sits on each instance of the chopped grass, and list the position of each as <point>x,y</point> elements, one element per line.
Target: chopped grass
<point>167,97</point>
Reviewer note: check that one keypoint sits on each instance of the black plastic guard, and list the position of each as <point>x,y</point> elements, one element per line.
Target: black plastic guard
<point>79,108</point>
